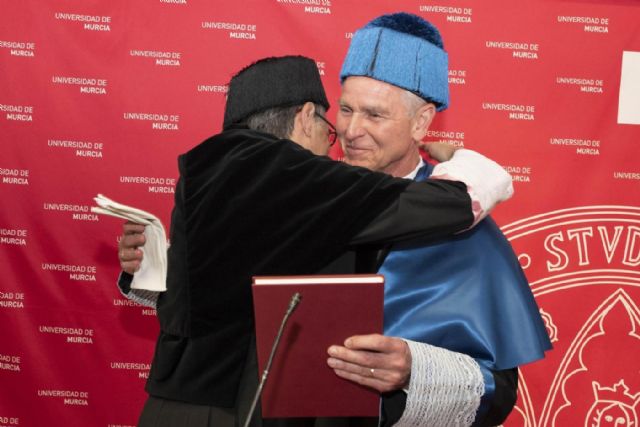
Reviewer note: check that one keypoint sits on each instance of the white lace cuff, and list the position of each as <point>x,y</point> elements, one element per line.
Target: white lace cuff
<point>143,297</point>
<point>445,388</point>
<point>487,182</point>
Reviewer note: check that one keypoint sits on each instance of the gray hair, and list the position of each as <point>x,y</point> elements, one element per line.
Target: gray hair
<point>277,121</point>
<point>413,102</point>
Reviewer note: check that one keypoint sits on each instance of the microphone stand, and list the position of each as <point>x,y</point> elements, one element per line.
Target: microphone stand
<point>293,303</point>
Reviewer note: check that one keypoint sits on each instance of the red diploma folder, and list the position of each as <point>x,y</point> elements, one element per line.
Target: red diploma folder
<point>333,308</point>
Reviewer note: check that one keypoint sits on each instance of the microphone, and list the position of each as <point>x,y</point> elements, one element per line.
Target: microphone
<point>293,303</point>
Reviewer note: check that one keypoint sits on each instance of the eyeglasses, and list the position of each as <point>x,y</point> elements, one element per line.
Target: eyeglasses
<point>333,135</point>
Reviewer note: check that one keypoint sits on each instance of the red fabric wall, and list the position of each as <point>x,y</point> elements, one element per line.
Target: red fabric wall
<point>100,96</point>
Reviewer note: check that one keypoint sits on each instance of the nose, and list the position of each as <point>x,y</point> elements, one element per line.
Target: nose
<point>352,127</point>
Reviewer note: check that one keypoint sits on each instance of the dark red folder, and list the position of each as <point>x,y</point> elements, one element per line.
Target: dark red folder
<point>333,308</point>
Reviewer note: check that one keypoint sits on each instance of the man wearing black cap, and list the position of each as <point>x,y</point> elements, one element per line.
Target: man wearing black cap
<point>249,203</point>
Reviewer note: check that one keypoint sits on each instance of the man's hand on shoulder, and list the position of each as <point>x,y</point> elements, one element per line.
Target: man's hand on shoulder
<point>439,151</point>
<point>128,253</point>
<point>382,363</point>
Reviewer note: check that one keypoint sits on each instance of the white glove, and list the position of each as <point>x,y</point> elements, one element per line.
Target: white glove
<point>152,275</point>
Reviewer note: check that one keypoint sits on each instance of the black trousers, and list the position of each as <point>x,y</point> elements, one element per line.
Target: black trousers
<point>160,412</point>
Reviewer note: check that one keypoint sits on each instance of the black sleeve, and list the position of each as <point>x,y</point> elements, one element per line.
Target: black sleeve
<point>124,282</point>
<point>417,213</point>
<point>504,399</point>
<point>393,404</point>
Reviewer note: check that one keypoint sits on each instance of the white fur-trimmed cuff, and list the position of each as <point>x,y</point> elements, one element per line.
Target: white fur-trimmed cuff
<point>445,388</point>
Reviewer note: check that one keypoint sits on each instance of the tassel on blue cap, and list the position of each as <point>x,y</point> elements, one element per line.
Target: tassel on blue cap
<point>403,50</point>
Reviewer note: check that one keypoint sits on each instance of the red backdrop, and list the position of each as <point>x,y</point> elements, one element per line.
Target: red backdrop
<point>101,97</point>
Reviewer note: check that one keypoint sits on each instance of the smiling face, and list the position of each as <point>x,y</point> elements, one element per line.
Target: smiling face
<point>380,125</point>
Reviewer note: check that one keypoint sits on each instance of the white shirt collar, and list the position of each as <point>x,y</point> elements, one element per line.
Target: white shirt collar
<point>413,173</point>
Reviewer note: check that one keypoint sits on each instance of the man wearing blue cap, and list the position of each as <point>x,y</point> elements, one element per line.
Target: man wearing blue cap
<point>462,305</point>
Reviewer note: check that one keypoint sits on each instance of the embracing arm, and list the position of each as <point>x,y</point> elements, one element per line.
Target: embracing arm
<point>433,208</point>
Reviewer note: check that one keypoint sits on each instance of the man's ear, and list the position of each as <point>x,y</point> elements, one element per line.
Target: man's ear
<point>306,118</point>
<point>422,120</point>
